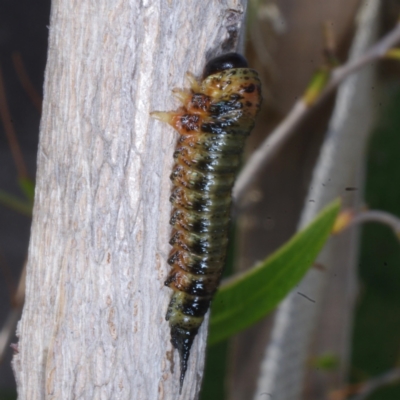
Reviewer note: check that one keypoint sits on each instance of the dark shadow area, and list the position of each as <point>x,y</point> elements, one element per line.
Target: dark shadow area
<point>23,31</point>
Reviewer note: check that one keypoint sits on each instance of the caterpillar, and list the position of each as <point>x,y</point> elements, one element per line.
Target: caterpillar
<point>216,117</point>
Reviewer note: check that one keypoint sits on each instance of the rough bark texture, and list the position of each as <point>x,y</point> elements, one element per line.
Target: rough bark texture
<point>93,326</point>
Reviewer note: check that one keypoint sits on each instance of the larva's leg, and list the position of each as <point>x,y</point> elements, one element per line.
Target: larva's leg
<point>194,84</point>
<point>182,95</point>
<point>164,116</point>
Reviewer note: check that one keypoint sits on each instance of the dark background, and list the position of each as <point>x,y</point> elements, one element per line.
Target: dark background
<point>23,29</point>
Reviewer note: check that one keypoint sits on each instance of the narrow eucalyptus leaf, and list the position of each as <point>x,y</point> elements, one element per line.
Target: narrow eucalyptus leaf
<point>248,297</point>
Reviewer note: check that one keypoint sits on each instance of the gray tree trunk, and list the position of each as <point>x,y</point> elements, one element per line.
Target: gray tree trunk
<point>93,325</point>
<point>307,328</point>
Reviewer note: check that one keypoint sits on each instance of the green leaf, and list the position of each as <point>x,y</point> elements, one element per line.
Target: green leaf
<point>247,298</point>
<point>13,202</point>
<point>28,188</point>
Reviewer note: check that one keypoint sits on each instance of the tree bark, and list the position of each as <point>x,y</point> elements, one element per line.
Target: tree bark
<point>93,325</point>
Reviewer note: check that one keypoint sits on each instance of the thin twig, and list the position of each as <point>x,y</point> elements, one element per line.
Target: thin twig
<point>330,48</point>
<point>378,216</point>
<point>10,132</point>
<point>268,148</point>
<point>376,383</point>
<point>376,52</point>
<point>283,368</point>
<point>283,131</point>
<point>348,218</point>
<point>26,83</point>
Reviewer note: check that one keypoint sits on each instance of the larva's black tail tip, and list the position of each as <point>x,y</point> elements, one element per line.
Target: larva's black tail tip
<point>182,340</point>
<point>184,358</point>
<point>181,382</point>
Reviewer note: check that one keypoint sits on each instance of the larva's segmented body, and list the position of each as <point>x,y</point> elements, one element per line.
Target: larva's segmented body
<point>216,117</point>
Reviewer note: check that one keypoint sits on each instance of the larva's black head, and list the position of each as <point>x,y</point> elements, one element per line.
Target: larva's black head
<point>226,61</point>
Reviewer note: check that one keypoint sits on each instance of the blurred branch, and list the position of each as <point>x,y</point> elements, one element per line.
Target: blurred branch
<point>26,83</point>
<point>378,216</point>
<point>374,384</point>
<point>330,44</point>
<point>301,328</point>
<point>348,218</point>
<point>376,52</point>
<point>282,132</point>
<point>10,132</point>
<point>363,391</point>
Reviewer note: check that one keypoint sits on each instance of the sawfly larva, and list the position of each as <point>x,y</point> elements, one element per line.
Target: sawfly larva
<point>216,117</point>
